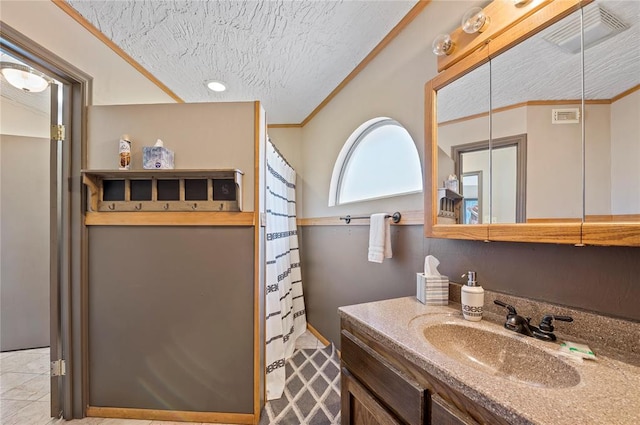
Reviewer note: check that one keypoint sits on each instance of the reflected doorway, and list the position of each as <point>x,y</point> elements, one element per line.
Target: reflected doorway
<point>472,197</point>
<point>504,160</point>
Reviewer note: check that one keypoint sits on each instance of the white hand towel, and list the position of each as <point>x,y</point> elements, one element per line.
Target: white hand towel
<point>379,238</point>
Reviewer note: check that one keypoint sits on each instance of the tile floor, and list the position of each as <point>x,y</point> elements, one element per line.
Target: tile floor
<point>25,385</point>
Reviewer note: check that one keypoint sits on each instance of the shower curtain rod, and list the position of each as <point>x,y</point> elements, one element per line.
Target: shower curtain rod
<point>396,217</point>
<point>279,153</point>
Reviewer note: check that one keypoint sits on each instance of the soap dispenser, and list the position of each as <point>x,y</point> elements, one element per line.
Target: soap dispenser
<point>472,297</point>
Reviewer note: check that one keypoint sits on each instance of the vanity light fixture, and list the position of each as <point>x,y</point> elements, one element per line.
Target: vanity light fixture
<point>216,86</point>
<point>475,20</point>
<point>24,77</point>
<point>442,45</point>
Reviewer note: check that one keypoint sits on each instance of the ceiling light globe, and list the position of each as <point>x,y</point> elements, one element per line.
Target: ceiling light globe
<point>475,20</point>
<point>442,45</point>
<point>216,86</point>
<point>24,78</point>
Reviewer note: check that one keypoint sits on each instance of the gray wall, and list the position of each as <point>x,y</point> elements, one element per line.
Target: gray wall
<point>336,271</point>
<point>171,318</point>
<point>24,250</point>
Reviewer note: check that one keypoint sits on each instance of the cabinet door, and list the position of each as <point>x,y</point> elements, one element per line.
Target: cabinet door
<point>404,397</point>
<point>444,414</point>
<point>360,407</point>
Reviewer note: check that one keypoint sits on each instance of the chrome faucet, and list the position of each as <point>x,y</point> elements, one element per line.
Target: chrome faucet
<point>522,325</point>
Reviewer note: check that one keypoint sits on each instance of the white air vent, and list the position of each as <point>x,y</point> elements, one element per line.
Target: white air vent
<point>565,116</point>
<point>599,24</point>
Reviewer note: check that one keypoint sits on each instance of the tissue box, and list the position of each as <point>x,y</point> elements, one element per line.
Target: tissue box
<point>452,185</point>
<point>432,290</point>
<point>157,157</point>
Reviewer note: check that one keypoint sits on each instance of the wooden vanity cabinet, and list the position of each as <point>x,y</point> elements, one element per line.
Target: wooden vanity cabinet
<point>442,413</point>
<point>380,387</point>
<point>360,407</point>
<point>375,385</point>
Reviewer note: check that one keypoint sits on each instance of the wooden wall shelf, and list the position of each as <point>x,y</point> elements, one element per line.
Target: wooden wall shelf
<point>449,206</point>
<point>164,191</point>
<point>196,218</point>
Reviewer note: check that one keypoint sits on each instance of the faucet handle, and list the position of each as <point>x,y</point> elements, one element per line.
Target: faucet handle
<point>512,310</point>
<point>545,323</point>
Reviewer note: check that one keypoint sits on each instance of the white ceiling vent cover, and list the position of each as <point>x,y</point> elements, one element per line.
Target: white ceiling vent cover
<point>599,24</point>
<point>565,116</point>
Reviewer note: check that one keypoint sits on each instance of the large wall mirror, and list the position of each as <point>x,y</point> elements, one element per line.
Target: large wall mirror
<point>542,133</point>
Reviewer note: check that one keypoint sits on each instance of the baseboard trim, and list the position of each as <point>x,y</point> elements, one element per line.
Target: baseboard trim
<point>318,335</point>
<point>322,339</point>
<point>170,415</point>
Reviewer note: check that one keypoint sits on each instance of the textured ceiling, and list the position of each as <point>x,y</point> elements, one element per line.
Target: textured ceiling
<point>538,70</point>
<point>290,55</point>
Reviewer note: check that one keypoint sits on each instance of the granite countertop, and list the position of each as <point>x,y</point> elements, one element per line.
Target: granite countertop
<point>608,391</point>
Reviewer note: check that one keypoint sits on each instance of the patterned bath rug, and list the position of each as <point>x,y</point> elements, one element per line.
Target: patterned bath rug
<point>312,391</point>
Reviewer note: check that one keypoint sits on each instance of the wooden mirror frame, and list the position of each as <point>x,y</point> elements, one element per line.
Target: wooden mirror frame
<point>465,61</point>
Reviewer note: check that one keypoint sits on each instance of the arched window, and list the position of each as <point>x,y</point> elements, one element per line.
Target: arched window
<point>378,160</point>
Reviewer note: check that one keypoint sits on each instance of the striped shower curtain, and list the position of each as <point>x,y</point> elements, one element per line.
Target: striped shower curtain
<point>285,313</point>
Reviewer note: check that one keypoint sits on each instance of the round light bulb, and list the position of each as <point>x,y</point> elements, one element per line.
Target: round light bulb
<point>216,86</point>
<point>442,45</point>
<point>474,20</point>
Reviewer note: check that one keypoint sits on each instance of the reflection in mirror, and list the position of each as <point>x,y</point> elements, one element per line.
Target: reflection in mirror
<point>536,91</point>
<point>612,111</point>
<point>509,178</point>
<point>473,162</point>
<point>463,118</point>
<point>471,188</point>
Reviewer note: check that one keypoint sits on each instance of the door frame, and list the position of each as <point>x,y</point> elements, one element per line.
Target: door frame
<point>68,321</point>
<point>519,141</point>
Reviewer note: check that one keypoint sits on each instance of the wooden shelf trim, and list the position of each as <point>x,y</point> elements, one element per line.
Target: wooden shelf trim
<point>161,173</point>
<point>195,218</point>
<point>478,232</point>
<point>563,233</point>
<point>626,234</point>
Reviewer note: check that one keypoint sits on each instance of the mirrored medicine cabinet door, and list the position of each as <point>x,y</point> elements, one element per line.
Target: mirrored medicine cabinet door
<point>536,160</point>
<point>612,123</point>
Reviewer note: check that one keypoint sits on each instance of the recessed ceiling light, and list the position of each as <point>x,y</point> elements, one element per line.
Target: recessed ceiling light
<point>216,86</point>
